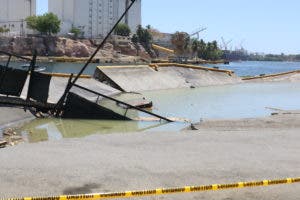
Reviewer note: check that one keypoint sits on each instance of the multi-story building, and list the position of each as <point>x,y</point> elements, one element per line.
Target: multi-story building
<point>13,14</point>
<point>94,17</point>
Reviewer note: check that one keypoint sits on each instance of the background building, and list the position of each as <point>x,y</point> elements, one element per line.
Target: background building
<point>94,17</point>
<point>13,14</point>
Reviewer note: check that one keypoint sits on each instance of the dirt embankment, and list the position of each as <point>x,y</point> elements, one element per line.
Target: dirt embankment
<point>60,46</point>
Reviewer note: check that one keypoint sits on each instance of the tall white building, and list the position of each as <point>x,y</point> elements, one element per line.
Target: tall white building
<point>13,14</point>
<point>94,17</point>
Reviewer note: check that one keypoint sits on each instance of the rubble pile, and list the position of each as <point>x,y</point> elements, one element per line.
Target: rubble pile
<point>10,138</point>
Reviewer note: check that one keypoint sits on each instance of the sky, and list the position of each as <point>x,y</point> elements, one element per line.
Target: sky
<point>264,26</point>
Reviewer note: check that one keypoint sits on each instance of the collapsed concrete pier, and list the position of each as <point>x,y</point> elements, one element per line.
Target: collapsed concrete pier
<point>66,96</point>
<point>138,78</point>
<point>59,83</point>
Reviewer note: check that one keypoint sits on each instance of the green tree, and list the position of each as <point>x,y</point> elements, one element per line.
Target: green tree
<point>201,49</point>
<point>194,46</point>
<point>4,30</point>
<point>144,37</point>
<point>32,22</point>
<point>122,29</point>
<point>135,39</point>
<point>45,24</point>
<point>209,51</point>
<point>76,32</point>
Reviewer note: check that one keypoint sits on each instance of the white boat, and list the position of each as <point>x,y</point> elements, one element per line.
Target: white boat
<point>36,69</point>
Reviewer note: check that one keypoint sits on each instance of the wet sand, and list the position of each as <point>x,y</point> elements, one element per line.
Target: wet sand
<point>279,120</point>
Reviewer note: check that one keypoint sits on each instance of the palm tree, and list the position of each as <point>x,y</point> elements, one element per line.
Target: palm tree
<point>195,46</point>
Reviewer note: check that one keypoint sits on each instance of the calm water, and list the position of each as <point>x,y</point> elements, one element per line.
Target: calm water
<point>249,68</point>
<point>253,68</point>
<point>60,67</point>
<point>229,101</point>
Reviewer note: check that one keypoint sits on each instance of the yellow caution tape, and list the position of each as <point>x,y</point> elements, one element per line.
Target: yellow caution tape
<point>162,191</point>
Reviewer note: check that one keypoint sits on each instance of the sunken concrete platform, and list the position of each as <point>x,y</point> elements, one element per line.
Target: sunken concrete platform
<point>58,86</point>
<point>138,78</point>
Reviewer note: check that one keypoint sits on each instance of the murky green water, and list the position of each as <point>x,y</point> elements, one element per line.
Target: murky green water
<point>229,101</point>
<point>56,129</point>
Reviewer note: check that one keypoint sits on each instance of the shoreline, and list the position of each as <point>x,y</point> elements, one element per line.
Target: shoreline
<point>292,76</point>
<point>278,120</point>
<point>14,117</point>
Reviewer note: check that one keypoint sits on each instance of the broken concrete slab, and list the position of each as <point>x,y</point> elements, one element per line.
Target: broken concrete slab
<point>143,78</point>
<point>58,86</point>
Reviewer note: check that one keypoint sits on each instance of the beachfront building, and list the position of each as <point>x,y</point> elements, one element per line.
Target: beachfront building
<point>94,17</point>
<point>13,14</point>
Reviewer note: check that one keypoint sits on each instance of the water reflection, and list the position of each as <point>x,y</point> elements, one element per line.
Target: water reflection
<point>56,129</point>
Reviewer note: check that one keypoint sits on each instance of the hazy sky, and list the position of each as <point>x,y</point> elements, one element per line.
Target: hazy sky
<point>270,26</point>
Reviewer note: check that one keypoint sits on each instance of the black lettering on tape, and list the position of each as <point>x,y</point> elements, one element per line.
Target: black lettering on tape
<point>45,198</point>
<point>173,190</point>
<point>253,184</point>
<point>228,186</point>
<point>141,193</point>
<point>201,188</point>
<point>84,196</point>
<point>17,199</point>
<point>119,194</point>
<point>295,180</point>
<point>275,182</point>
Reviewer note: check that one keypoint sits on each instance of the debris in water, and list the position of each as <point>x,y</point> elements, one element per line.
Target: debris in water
<point>10,138</point>
<point>193,127</point>
<point>9,132</point>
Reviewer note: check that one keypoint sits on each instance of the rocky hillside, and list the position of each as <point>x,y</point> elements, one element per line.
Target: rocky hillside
<point>59,46</point>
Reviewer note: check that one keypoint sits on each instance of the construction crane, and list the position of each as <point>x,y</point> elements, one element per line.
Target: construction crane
<point>197,32</point>
<point>225,43</point>
<point>242,44</point>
